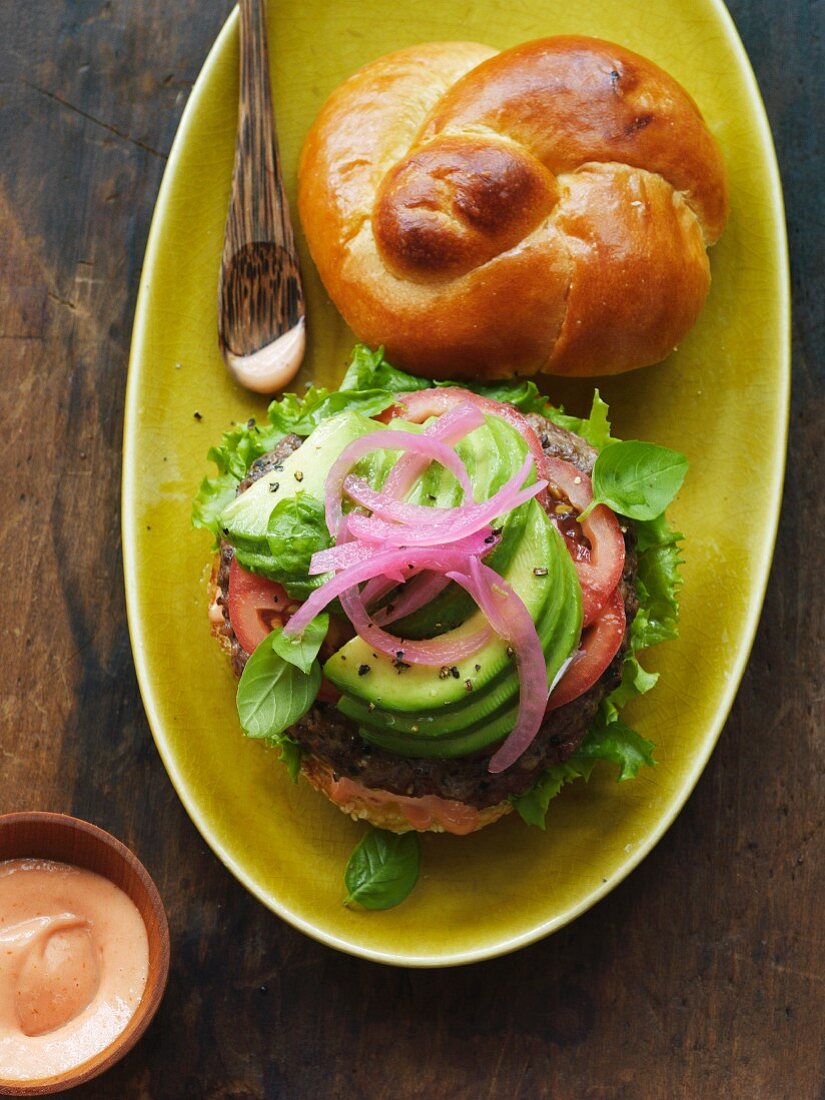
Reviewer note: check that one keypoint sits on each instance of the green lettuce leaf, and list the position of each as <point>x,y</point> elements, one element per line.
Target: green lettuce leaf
<point>238,449</point>
<point>594,428</point>
<point>532,806</point>
<point>610,739</point>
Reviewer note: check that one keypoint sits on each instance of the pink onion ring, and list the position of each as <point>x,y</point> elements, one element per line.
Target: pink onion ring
<point>414,595</point>
<point>422,404</point>
<point>513,623</point>
<point>433,651</point>
<point>463,520</point>
<point>381,563</point>
<point>450,428</point>
<point>423,445</point>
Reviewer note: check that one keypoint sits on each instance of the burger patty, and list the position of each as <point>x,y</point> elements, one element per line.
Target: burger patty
<point>334,739</point>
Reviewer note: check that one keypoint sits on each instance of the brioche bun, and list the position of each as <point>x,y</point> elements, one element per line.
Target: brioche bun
<point>483,214</point>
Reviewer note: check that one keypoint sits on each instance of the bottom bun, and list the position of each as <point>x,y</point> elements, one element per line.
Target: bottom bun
<point>398,813</point>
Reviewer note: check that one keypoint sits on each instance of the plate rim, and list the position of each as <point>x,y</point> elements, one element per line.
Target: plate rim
<point>500,947</point>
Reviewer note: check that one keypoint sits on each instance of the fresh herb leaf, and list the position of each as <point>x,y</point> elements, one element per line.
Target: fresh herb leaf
<point>273,693</point>
<point>302,649</point>
<point>636,479</point>
<point>383,869</point>
<point>297,529</point>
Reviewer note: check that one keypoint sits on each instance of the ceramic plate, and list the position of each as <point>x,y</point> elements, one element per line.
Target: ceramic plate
<point>722,399</point>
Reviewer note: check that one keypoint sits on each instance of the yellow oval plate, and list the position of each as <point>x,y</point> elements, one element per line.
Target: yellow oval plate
<point>722,399</point>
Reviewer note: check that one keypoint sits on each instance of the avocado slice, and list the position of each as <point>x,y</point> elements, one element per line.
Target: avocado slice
<point>419,691</point>
<point>244,521</point>
<point>488,715</point>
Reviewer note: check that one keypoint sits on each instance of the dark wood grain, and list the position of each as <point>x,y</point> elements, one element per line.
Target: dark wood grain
<point>702,975</point>
<point>260,296</point>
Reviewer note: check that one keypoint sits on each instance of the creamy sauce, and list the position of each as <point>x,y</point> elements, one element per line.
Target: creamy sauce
<point>273,366</point>
<point>74,958</point>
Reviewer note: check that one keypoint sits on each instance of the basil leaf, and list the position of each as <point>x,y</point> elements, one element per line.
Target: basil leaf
<point>297,529</point>
<point>273,693</point>
<point>302,649</point>
<point>383,869</point>
<point>637,480</point>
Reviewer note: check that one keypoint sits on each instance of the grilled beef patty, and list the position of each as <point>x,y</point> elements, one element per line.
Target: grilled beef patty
<point>329,735</point>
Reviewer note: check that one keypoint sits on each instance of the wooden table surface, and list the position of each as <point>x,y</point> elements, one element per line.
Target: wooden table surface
<point>701,975</point>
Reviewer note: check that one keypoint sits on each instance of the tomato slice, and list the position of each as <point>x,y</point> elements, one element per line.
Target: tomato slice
<point>256,606</point>
<point>599,568</point>
<point>599,645</point>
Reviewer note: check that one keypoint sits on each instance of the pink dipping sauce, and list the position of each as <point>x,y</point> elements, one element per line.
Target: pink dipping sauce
<point>74,958</point>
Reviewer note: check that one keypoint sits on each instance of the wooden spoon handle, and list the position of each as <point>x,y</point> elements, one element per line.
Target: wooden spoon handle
<point>260,295</point>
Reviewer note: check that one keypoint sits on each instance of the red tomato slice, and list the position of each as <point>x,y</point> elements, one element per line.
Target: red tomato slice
<point>256,606</point>
<point>599,645</point>
<point>599,569</point>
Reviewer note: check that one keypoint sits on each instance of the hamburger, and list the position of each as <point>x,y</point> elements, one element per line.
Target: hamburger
<point>434,596</point>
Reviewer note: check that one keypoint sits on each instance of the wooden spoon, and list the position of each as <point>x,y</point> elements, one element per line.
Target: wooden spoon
<point>260,300</point>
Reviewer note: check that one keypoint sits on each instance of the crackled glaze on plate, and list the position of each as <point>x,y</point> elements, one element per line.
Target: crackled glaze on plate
<point>722,398</point>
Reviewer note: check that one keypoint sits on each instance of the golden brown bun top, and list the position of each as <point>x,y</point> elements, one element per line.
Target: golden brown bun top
<point>543,208</point>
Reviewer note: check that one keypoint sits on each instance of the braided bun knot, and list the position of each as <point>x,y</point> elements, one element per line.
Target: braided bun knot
<point>547,208</point>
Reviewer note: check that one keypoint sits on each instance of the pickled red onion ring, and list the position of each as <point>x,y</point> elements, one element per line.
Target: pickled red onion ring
<point>418,524</point>
<point>441,400</point>
<point>450,428</point>
<point>381,563</point>
<point>422,445</point>
<point>414,595</point>
<point>340,556</point>
<point>511,620</point>
<point>433,651</point>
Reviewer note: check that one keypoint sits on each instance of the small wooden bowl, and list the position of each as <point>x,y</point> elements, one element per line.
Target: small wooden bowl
<point>70,840</point>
